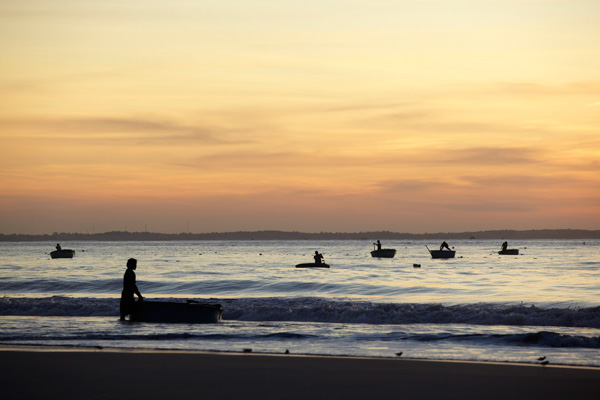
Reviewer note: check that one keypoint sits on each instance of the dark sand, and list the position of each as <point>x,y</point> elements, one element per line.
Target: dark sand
<point>103,374</point>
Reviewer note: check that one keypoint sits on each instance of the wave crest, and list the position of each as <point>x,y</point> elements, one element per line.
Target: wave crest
<point>332,311</point>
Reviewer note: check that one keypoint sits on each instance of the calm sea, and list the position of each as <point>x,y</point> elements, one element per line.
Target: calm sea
<point>477,306</point>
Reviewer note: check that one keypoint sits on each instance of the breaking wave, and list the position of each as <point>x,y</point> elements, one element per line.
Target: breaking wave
<point>314,309</point>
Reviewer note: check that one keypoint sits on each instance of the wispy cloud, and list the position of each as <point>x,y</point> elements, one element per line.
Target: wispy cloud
<point>116,130</point>
<point>581,88</point>
<point>497,156</point>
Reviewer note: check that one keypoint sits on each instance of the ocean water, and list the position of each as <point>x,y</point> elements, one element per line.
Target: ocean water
<point>480,306</point>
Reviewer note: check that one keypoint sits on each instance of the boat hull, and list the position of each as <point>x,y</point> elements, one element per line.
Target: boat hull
<point>171,312</point>
<point>510,252</point>
<point>312,265</point>
<point>442,253</point>
<point>64,253</point>
<point>384,253</point>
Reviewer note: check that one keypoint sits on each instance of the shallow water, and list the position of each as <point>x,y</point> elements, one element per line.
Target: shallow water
<point>478,306</point>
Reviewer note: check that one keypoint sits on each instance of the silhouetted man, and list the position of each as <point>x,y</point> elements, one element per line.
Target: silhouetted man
<point>318,258</point>
<point>129,289</point>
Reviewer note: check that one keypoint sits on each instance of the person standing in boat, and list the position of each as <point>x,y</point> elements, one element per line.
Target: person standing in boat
<point>318,258</point>
<point>58,247</point>
<point>504,246</point>
<point>129,289</point>
<point>444,245</point>
<point>378,244</point>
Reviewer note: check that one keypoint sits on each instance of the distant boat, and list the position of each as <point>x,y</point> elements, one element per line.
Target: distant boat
<point>63,253</point>
<point>384,253</point>
<point>510,252</point>
<point>441,253</point>
<point>172,312</point>
<point>312,265</point>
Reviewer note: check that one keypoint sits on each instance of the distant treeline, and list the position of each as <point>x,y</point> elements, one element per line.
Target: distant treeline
<point>281,235</point>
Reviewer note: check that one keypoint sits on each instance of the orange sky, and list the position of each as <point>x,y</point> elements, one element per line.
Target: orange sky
<point>329,115</point>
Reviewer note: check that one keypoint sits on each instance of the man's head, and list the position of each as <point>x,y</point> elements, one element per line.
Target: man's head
<point>132,263</point>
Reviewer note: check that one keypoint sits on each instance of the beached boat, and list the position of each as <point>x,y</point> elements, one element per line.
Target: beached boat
<point>190,312</point>
<point>63,253</point>
<point>312,265</point>
<point>384,253</point>
<point>510,252</point>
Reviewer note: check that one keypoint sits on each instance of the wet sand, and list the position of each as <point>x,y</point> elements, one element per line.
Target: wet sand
<point>104,374</point>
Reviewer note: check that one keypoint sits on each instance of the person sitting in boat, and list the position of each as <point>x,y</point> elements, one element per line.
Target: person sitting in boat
<point>58,247</point>
<point>504,246</point>
<point>378,244</point>
<point>444,245</point>
<point>129,289</point>
<point>318,258</point>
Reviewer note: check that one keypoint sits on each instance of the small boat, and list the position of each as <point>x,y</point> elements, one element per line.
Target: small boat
<point>510,252</point>
<point>312,265</point>
<point>442,253</point>
<point>63,253</point>
<point>384,253</point>
<point>191,312</point>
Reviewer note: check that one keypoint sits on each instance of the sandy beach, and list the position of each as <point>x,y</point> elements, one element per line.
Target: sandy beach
<point>105,374</point>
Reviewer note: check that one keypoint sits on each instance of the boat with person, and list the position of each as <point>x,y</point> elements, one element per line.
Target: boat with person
<point>191,312</point>
<point>505,250</point>
<point>319,262</point>
<point>62,253</point>
<point>442,253</point>
<point>384,253</point>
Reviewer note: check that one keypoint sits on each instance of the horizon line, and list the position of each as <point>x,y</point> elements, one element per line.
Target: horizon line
<point>546,233</point>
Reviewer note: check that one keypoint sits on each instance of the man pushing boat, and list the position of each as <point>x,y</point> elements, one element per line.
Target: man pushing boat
<point>129,289</point>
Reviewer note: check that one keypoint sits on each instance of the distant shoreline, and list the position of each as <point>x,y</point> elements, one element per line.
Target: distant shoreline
<point>579,234</point>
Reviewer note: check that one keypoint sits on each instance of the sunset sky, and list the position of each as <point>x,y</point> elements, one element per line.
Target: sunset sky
<point>329,115</point>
